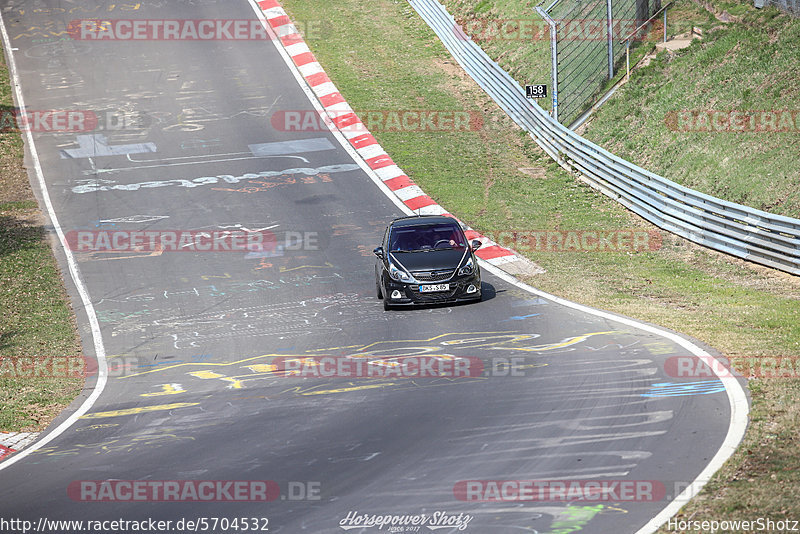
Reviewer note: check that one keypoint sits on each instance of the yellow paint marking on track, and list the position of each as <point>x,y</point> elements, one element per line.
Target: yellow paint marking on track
<point>141,409</point>
<point>97,255</point>
<point>527,366</point>
<point>235,382</point>
<point>346,390</point>
<point>565,343</point>
<point>335,348</point>
<point>659,347</point>
<point>310,362</point>
<point>205,374</point>
<point>209,364</point>
<point>491,339</point>
<point>96,427</point>
<point>166,389</point>
<point>210,276</point>
<point>261,367</point>
<point>473,334</point>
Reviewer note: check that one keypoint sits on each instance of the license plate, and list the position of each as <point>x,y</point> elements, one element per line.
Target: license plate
<point>434,288</point>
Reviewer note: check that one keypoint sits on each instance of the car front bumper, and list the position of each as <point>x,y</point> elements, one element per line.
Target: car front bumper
<point>411,294</point>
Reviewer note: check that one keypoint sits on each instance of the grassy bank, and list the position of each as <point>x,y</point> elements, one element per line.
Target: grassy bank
<point>497,179</point>
<point>748,64</point>
<point>37,323</point>
<point>679,117</point>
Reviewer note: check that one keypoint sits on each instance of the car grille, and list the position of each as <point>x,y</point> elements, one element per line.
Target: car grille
<point>435,297</point>
<point>432,276</point>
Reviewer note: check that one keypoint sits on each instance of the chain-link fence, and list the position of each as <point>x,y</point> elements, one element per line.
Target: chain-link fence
<point>589,38</point>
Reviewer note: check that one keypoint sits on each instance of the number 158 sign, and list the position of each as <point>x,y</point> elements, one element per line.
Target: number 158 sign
<point>536,91</point>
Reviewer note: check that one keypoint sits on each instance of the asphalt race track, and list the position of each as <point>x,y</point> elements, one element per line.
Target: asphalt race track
<point>192,338</point>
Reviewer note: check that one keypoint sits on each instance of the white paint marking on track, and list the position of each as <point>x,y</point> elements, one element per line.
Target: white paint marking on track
<point>297,146</point>
<point>736,396</point>
<point>99,347</point>
<point>97,145</point>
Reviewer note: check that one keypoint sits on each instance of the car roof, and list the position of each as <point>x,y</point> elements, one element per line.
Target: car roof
<point>422,220</point>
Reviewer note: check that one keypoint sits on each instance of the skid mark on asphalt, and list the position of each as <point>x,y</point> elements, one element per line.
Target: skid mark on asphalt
<point>128,444</point>
<point>330,313</point>
<point>388,354</point>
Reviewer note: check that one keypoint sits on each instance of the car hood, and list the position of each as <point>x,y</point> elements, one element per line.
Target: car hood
<point>432,260</point>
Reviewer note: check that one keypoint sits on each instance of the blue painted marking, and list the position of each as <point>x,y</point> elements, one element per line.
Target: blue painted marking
<point>265,253</point>
<point>520,317</point>
<point>679,389</point>
<point>201,356</point>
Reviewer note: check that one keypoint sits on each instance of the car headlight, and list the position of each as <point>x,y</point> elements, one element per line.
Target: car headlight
<point>398,274</point>
<point>467,269</point>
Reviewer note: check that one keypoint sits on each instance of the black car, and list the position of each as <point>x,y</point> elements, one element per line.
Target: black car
<point>426,259</point>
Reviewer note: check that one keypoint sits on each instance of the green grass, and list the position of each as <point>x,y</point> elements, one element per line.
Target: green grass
<point>37,321</point>
<point>749,66</point>
<point>524,54</point>
<point>742,309</point>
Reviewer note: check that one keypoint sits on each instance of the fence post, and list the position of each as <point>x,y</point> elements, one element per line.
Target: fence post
<point>610,40</point>
<point>627,58</point>
<point>554,54</point>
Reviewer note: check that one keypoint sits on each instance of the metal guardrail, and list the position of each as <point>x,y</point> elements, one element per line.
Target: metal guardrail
<point>751,234</point>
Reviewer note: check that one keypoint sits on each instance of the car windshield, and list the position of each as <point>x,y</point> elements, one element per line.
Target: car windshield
<point>424,238</point>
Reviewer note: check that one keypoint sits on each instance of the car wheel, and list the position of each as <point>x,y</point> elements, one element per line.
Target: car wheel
<point>386,306</point>
<point>378,289</point>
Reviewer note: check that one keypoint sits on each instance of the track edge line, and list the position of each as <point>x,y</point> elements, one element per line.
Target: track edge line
<point>80,286</point>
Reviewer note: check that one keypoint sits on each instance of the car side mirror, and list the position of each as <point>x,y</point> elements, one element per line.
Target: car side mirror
<point>379,252</point>
<point>475,244</point>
